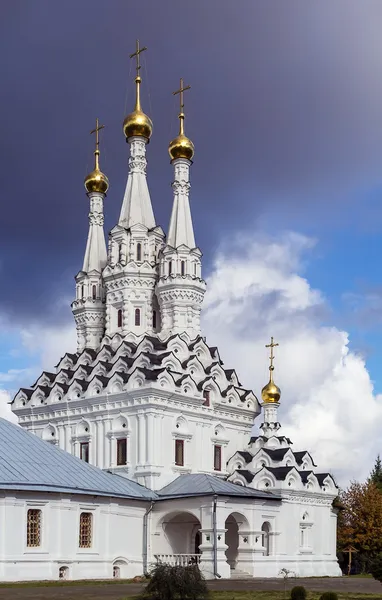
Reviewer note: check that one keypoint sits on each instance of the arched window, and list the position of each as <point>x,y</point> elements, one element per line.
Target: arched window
<point>94,291</point>
<point>33,528</point>
<point>154,319</point>
<point>182,267</point>
<point>119,318</point>
<point>137,317</point>
<point>85,533</point>
<point>139,252</point>
<point>265,528</point>
<point>194,268</point>
<point>170,267</point>
<point>82,291</point>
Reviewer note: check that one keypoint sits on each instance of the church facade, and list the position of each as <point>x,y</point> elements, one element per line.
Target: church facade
<point>143,436</point>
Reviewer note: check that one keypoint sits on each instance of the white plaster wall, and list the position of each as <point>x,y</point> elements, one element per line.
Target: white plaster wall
<point>117,534</point>
<point>150,431</point>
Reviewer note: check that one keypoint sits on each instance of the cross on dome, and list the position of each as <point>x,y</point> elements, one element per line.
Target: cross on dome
<point>96,181</point>
<point>271,393</point>
<point>181,146</point>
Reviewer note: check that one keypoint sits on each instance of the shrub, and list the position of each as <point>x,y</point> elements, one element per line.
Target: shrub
<point>329,596</point>
<point>169,582</point>
<point>298,593</point>
<point>376,568</point>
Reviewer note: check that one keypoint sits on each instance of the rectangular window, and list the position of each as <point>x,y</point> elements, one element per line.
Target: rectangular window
<point>217,458</point>
<point>85,534</point>
<point>206,396</point>
<point>122,451</point>
<point>84,451</point>
<point>179,453</point>
<point>33,528</point>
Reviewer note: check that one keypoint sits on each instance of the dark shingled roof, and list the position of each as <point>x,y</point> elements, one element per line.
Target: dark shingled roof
<point>279,472</point>
<point>299,456</point>
<point>304,475</point>
<point>246,455</point>
<point>277,454</point>
<point>246,474</point>
<point>321,477</point>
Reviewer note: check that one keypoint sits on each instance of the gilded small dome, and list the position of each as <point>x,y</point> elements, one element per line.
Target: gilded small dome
<point>137,123</point>
<point>96,181</point>
<point>270,393</point>
<point>181,147</point>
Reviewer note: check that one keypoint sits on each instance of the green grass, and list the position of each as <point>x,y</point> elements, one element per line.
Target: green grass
<point>251,595</point>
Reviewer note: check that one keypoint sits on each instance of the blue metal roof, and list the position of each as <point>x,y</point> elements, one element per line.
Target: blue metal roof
<point>29,463</point>
<point>200,484</point>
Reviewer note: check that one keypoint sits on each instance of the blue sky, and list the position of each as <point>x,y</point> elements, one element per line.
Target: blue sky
<point>285,112</point>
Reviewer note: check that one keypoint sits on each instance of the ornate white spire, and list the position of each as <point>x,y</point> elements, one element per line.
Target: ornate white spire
<point>96,185</point>
<point>270,395</point>
<point>180,289</point>
<point>137,127</point>
<point>181,231</point>
<point>136,206</point>
<point>88,307</point>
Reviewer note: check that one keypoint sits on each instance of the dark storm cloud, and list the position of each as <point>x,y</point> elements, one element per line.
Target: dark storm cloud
<point>285,113</point>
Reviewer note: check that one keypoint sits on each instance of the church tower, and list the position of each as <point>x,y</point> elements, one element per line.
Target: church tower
<point>270,395</point>
<point>89,306</point>
<point>181,289</point>
<point>134,243</point>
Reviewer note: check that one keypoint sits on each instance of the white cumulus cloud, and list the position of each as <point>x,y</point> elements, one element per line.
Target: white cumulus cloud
<point>257,289</point>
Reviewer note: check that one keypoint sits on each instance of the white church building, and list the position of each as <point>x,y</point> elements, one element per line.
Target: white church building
<point>138,447</point>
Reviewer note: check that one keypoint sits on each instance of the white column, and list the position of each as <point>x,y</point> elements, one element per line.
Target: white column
<point>99,444</point>
<point>150,438</point>
<point>141,438</point>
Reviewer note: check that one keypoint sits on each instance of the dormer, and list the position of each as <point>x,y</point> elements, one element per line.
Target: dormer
<point>77,389</point>
<point>178,346</point>
<point>201,350</point>
<point>187,385</point>
<point>68,361</point>
<point>87,357</point>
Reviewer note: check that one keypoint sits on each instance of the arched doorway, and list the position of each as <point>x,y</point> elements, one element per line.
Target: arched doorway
<point>232,540</point>
<point>265,542</point>
<point>197,543</point>
<point>63,573</point>
<point>120,568</point>
<point>235,523</point>
<point>181,538</point>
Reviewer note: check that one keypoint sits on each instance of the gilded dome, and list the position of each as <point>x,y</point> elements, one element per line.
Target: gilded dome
<point>137,123</point>
<point>181,146</point>
<point>270,393</point>
<point>96,181</point>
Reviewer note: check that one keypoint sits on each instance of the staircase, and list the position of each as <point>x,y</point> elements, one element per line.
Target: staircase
<point>239,574</point>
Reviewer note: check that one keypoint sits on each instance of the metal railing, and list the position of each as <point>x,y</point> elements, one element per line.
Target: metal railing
<point>182,560</point>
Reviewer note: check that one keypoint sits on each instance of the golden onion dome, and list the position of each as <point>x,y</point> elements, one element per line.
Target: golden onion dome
<point>96,181</point>
<point>137,123</point>
<point>181,146</point>
<point>270,393</point>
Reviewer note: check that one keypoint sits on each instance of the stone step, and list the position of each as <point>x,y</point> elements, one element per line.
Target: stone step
<point>238,574</point>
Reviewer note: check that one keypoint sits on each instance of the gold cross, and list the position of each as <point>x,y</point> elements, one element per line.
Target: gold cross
<point>180,91</point>
<point>96,131</point>
<point>136,54</point>
<point>271,346</point>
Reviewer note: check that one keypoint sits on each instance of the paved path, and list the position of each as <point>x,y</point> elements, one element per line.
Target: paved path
<point>120,591</point>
